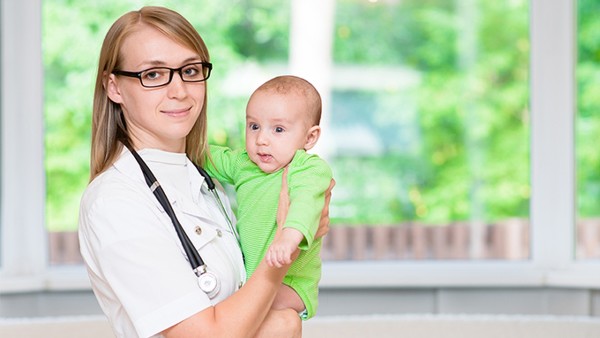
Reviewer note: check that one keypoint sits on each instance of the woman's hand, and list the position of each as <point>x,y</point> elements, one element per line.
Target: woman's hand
<point>284,201</point>
<point>284,206</point>
<point>324,222</point>
<point>282,211</point>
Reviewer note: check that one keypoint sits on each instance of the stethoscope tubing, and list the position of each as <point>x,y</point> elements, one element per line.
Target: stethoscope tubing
<point>208,281</point>
<point>193,256</point>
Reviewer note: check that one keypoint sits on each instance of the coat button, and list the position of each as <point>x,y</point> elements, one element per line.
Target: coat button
<point>198,231</point>
<point>219,233</point>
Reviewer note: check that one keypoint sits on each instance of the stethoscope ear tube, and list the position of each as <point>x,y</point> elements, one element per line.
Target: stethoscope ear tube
<point>211,188</point>
<point>194,258</point>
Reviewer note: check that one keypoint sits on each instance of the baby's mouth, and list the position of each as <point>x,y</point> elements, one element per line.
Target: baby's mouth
<point>265,157</point>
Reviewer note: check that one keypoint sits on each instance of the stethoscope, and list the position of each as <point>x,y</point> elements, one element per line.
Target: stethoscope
<point>208,281</point>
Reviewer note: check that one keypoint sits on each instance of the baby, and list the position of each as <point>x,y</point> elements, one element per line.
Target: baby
<point>282,123</point>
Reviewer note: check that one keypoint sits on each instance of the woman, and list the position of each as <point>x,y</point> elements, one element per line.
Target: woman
<point>150,99</point>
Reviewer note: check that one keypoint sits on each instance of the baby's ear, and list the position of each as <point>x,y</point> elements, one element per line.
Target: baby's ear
<point>312,136</point>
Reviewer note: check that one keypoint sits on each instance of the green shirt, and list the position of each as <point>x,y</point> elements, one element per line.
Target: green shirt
<point>257,195</point>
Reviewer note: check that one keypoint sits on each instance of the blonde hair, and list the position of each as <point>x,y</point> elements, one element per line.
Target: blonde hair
<point>286,84</point>
<point>109,131</point>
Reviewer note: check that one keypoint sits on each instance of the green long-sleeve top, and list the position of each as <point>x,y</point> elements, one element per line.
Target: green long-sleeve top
<point>257,195</point>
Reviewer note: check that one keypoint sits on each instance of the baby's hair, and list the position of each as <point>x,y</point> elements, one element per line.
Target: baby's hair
<point>286,84</point>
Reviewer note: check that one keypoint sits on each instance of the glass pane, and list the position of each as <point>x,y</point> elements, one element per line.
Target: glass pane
<point>68,88</point>
<point>587,130</point>
<point>429,111</point>
<point>72,36</point>
<point>431,130</point>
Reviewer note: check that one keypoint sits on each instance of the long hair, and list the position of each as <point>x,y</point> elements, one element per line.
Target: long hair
<point>109,131</point>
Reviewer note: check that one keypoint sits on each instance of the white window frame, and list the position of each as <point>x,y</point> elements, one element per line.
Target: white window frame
<point>23,243</point>
<point>23,240</point>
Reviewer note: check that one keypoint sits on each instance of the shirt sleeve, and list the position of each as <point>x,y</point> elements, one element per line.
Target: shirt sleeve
<point>137,262</point>
<point>222,164</point>
<point>308,179</point>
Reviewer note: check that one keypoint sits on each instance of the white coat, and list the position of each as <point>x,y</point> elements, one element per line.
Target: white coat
<point>136,264</point>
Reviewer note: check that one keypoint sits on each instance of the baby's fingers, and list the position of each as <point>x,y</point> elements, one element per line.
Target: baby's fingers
<point>270,258</point>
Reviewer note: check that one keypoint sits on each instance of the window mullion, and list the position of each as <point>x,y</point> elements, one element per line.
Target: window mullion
<point>552,132</point>
<point>23,237</point>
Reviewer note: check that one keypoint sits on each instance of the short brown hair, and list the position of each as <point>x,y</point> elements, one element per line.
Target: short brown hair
<point>286,84</point>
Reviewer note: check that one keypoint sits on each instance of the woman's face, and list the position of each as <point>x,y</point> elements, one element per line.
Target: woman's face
<point>160,117</point>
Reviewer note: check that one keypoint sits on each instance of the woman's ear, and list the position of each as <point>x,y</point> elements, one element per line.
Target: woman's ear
<point>312,136</point>
<point>112,89</point>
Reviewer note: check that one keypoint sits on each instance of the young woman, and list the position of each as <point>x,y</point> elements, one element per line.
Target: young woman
<point>150,117</point>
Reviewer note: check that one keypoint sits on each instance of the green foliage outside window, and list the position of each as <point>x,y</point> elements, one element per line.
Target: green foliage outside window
<point>457,139</point>
<point>237,32</point>
<point>471,161</point>
<point>588,107</point>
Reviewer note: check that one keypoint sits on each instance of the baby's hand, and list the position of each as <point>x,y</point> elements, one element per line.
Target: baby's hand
<point>283,247</point>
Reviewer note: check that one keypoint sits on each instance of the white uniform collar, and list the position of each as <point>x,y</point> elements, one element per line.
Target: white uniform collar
<point>127,165</point>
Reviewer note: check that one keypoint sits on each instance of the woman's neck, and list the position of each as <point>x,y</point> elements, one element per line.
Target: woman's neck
<point>177,146</point>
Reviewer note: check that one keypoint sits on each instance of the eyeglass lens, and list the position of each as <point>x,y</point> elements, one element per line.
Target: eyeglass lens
<point>160,76</point>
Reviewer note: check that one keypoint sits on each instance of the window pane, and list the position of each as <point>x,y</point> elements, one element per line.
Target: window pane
<point>587,130</point>
<point>429,117</point>
<point>71,41</point>
<point>72,37</point>
<point>431,128</point>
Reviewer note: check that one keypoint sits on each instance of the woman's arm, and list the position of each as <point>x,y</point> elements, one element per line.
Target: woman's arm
<point>281,323</point>
<point>243,313</point>
<point>324,222</point>
<point>277,326</point>
<point>248,313</point>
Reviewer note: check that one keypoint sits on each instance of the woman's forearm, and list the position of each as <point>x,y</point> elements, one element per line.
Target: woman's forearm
<point>241,314</point>
<point>244,312</point>
<point>251,304</point>
<point>282,324</point>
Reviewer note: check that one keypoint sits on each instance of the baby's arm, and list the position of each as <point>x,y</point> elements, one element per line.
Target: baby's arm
<point>283,246</point>
<point>287,298</point>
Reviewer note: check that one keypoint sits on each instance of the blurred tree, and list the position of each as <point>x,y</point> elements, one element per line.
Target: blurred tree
<point>588,108</point>
<point>236,32</point>
<point>472,110</point>
<point>467,115</point>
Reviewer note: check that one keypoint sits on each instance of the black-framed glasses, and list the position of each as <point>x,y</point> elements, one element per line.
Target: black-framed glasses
<point>162,76</point>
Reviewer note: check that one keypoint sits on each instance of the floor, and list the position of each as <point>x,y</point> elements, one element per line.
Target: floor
<point>334,302</point>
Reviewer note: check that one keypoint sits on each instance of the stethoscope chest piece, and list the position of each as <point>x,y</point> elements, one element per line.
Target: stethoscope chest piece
<point>209,284</point>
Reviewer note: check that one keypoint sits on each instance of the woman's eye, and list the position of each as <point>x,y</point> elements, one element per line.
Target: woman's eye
<point>155,74</point>
<point>152,75</point>
<point>191,72</point>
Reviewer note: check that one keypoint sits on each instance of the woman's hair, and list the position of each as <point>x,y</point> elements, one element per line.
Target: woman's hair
<point>109,131</point>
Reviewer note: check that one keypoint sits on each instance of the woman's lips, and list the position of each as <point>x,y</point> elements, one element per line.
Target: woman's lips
<point>177,112</point>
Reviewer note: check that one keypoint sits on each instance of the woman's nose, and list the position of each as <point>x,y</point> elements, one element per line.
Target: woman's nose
<point>176,88</point>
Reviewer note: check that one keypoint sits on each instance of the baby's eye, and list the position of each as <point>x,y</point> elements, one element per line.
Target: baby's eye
<point>279,130</point>
<point>253,126</point>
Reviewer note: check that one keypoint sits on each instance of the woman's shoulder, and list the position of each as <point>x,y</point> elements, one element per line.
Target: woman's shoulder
<point>118,183</point>
<point>109,181</point>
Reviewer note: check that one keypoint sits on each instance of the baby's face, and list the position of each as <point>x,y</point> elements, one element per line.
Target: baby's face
<point>276,126</point>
